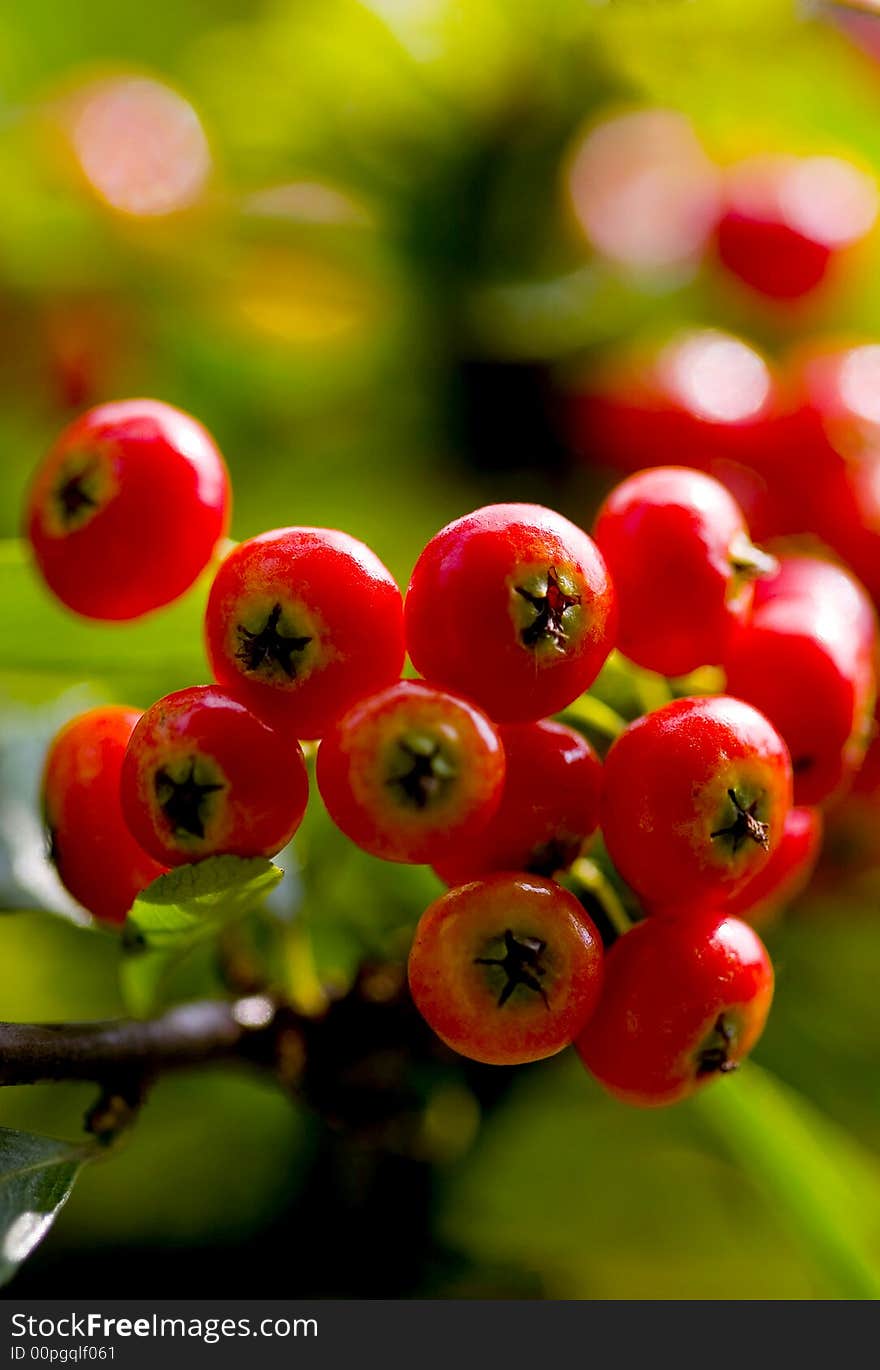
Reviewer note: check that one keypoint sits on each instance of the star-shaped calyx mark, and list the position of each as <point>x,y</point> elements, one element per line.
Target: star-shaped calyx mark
<point>746,826</point>
<point>268,645</point>
<point>183,801</point>
<point>550,607</point>
<point>424,772</point>
<point>74,496</point>
<point>715,1055</point>
<point>521,964</point>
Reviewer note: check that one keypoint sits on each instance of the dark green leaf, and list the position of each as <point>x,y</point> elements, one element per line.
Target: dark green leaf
<point>36,1177</point>
<point>181,911</point>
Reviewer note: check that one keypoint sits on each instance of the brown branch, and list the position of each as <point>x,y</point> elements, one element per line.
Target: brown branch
<point>358,1064</point>
<point>187,1035</point>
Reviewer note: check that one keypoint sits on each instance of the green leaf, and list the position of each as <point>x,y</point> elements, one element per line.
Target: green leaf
<point>182,910</point>
<point>601,724</point>
<point>746,1191</point>
<point>825,1189</point>
<point>36,1177</point>
<point>43,643</point>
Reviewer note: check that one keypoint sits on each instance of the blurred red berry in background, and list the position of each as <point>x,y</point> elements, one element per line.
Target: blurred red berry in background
<point>786,217</point>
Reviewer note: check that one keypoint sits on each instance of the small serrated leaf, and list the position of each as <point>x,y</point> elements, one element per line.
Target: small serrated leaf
<point>36,1177</point>
<point>182,910</point>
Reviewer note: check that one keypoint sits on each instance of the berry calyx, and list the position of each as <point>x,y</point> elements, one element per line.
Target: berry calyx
<point>513,607</point>
<point>506,969</point>
<point>425,770</point>
<point>695,799</point>
<point>716,1056</point>
<point>787,873</point>
<point>678,550</point>
<point>301,623</point>
<point>184,800</point>
<point>269,646</point>
<point>548,811</point>
<point>76,497</point>
<point>685,1000</point>
<point>203,776</point>
<point>746,825</point>
<point>127,509</point>
<point>411,772</point>
<point>521,964</point>
<point>551,604</point>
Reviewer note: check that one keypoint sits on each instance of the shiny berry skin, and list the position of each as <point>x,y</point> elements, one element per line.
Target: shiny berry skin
<point>685,1000</point>
<point>549,808</point>
<point>513,607</point>
<point>506,969</point>
<point>806,660</point>
<point>203,776</point>
<point>410,772</point>
<point>788,217</point>
<point>303,622</point>
<point>97,859</point>
<point>694,800</point>
<point>127,509</point>
<point>678,550</point>
<point>787,874</point>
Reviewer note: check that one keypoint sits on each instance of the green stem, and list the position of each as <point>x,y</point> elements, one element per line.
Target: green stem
<point>821,1185</point>
<point>653,691</point>
<point>588,713</point>
<point>586,875</point>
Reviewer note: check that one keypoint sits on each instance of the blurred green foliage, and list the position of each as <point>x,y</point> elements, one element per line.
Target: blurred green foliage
<point>383,243</point>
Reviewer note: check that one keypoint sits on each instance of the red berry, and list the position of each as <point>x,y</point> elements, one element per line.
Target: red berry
<point>301,623</point>
<point>830,478</point>
<point>685,1000</point>
<point>410,772</point>
<point>678,550</point>
<point>786,217</point>
<point>853,821</point>
<point>127,509</point>
<point>806,660</point>
<point>97,859</point>
<point>787,873</point>
<point>203,776</point>
<point>512,606</point>
<point>704,399</point>
<point>550,806</point>
<point>695,799</point>
<point>507,969</point>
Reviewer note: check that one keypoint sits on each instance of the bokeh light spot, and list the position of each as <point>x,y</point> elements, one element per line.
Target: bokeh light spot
<point>643,190</point>
<point>140,146</point>
<point>716,377</point>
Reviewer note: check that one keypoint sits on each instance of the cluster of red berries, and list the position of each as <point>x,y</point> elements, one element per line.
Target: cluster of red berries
<point>510,614</point>
<point>798,444</point>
